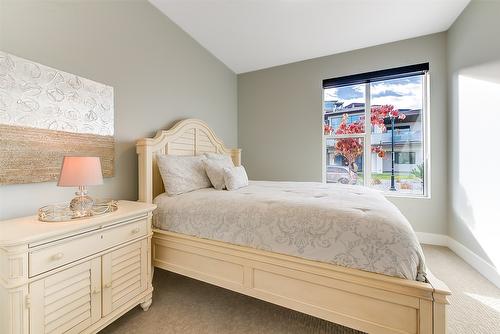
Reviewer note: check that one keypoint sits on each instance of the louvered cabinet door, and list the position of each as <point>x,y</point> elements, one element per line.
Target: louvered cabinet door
<point>123,275</point>
<point>68,301</point>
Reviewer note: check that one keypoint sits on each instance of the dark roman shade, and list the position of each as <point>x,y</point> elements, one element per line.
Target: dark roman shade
<point>393,73</point>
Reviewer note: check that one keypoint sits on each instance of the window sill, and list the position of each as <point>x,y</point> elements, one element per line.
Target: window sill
<point>409,196</point>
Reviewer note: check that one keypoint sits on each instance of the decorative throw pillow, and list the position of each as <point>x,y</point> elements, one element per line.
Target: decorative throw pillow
<point>182,174</point>
<point>215,171</point>
<point>235,177</point>
<point>217,156</point>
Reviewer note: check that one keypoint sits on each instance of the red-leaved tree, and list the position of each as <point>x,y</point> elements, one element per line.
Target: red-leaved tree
<point>352,148</point>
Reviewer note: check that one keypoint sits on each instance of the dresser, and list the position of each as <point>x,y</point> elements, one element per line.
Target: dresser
<point>74,277</point>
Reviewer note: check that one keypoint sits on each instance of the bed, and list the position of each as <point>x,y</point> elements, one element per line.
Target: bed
<point>335,271</point>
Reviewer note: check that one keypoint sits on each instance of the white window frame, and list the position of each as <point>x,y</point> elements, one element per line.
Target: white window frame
<point>367,177</point>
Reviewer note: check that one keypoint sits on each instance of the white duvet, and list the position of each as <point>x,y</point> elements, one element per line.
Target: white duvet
<point>345,225</point>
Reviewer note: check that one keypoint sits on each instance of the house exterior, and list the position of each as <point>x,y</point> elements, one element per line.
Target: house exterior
<point>407,138</point>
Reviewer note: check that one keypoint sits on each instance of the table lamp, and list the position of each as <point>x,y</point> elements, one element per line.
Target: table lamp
<point>81,172</point>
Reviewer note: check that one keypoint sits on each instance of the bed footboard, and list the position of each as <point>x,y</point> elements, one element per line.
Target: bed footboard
<point>361,300</point>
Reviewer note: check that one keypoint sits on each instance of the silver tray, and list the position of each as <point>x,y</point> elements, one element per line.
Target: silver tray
<point>60,212</point>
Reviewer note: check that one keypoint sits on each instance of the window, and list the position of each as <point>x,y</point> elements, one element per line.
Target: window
<point>374,130</point>
<point>405,158</point>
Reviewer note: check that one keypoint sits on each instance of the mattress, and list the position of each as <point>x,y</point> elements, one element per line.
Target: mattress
<point>345,225</point>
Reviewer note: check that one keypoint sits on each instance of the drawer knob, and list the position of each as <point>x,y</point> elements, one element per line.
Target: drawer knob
<point>108,285</point>
<point>136,230</point>
<point>57,256</point>
<point>96,291</point>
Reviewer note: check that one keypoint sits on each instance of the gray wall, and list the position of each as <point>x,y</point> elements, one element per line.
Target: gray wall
<point>280,118</point>
<point>152,65</point>
<point>159,74</point>
<point>474,69</point>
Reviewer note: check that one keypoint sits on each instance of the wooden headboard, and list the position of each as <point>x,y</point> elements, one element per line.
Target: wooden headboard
<point>187,137</point>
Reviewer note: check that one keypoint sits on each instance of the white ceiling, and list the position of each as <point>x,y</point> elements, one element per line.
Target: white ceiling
<point>248,35</point>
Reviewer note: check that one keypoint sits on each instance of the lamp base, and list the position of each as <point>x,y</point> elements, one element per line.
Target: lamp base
<point>82,204</point>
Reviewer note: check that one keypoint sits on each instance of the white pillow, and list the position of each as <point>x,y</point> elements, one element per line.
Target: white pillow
<point>182,174</point>
<point>235,177</point>
<point>217,156</point>
<point>215,171</point>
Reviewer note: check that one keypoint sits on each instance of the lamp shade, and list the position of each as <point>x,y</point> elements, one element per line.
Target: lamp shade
<point>80,171</point>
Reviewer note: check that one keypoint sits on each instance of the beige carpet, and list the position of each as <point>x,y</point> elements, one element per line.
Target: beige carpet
<point>183,305</point>
<point>475,302</point>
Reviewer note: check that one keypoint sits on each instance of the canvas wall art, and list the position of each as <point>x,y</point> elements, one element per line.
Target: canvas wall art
<point>46,114</point>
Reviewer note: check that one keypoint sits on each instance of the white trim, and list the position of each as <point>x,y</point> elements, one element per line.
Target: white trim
<point>323,140</point>
<point>367,144</point>
<point>346,135</point>
<point>426,128</point>
<point>432,239</point>
<point>392,194</point>
<point>486,269</point>
<point>475,261</point>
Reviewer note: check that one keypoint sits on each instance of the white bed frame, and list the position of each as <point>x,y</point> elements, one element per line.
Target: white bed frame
<point>368,302</point>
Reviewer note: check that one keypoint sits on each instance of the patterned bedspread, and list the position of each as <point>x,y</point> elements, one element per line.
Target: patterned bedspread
<point>346,225</point>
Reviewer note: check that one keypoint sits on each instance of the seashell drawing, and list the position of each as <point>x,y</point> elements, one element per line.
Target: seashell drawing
<point>27,105</point>
<point>53,125</point>
<point>90,102</point>
<point>91,89</point>
<point>106,93</point>
<point>50,74</point>
<point>30,89</point>
<point>45,123</point>
<point>30,71</point>
<point>104,106</point>
<point>106,118</point>
<point>58,78</point>
<point>75,82</point>
<point>55,94</point>
<point>6,63</point>
<point>72,114</point>
<point>91,116</point>
<point>74,97</point>
<point>68,127</point>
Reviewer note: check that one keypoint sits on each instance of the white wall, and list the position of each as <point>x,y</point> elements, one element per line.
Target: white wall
<point>280,118</point>
<point>159,74</point>
<point>474,98</point>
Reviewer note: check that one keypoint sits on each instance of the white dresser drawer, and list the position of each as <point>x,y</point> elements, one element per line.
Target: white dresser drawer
<point>58,253</point>
<point>117,235</point>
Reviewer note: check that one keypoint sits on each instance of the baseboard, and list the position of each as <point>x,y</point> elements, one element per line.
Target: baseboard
<point>474,260</point>
<point>433,239</point>
<point>486,269</point>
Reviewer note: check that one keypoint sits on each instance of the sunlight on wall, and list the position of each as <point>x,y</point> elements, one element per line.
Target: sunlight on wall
<point>479,161</point>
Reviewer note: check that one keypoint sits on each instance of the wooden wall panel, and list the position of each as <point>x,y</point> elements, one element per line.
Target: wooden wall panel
<point>30,155</point>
